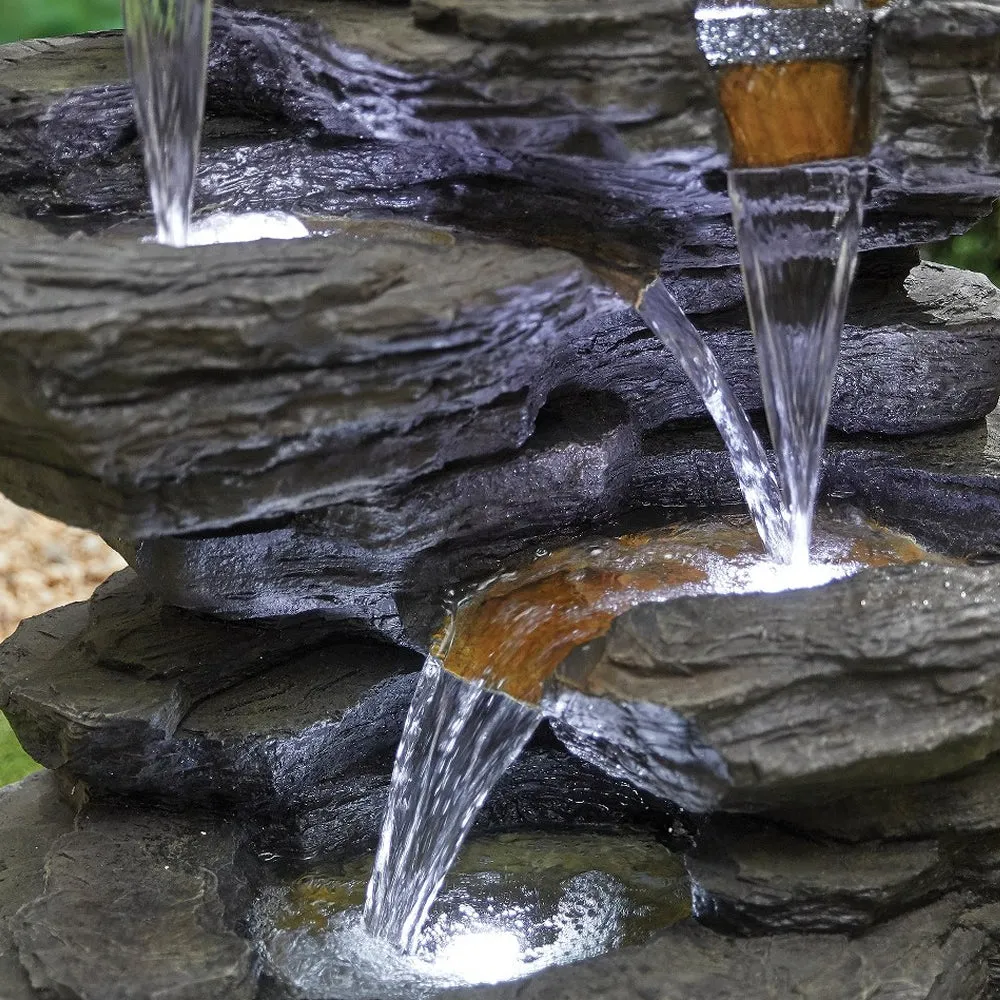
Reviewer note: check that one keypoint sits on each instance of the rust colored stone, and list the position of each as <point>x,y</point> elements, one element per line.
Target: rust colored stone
<point>515,631</point>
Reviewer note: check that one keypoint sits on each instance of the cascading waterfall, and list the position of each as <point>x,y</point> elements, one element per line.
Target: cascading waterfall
<point>763,495</point>
<point>797,223</point>
<point>166,44</point>
<point>458,740</point>
<point>798,230</point>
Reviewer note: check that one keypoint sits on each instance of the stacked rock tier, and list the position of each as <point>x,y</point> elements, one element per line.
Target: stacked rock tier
<point>301,447</point>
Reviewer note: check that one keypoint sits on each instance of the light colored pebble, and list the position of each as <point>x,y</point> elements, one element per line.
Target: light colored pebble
<point>44,564</point>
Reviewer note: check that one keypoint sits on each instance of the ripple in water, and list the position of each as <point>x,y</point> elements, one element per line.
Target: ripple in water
<point>513,905</point>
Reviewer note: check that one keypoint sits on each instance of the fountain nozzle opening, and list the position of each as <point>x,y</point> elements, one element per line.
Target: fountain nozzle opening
<point>793,81</point>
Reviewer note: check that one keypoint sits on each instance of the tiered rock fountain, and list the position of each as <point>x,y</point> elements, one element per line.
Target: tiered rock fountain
<point>303,447</point>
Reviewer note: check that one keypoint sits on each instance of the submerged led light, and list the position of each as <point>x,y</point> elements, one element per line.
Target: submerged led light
<point>769,577</point>
<point>481,957</point>
<point>227,227</point>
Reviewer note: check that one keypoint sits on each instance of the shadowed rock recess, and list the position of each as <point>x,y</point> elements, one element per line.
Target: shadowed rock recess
<point>301,447</point>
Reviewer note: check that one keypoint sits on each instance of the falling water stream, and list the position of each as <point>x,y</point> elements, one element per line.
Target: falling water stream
<point>166,43</point>
<point>760,488</point>
<point>476,703</point>
<point>458,740</point>
<point>798,230</point>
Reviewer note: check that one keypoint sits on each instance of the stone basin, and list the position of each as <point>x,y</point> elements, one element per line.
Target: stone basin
<point>302,447</point>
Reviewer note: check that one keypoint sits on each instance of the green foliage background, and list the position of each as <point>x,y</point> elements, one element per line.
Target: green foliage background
<point>39,18</point>
<point>978,250</point>
<point>14,762</point>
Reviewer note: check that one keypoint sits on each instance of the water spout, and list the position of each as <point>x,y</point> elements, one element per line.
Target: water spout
<point>664,316</point>
<point>793,82</point>
<point>166,45</point>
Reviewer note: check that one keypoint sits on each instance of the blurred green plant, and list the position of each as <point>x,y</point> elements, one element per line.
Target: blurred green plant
<point>14,762</point>
<point>40,18</point>
<point>976,250</point>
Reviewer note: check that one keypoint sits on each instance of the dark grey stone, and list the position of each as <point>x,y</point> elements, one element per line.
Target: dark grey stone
<point>135,908</point>
<point>376,481</point>
<point>937,953</point>
<point>752,879</point>
<point>271,469</point>
<point>962,804</point>
<point>289,727</point>
<point>889,677</point>
<point>390,118</point>
<point>139,904</point>
<point>32,816</point>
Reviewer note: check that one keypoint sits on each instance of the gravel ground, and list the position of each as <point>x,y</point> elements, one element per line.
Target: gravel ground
<point>44,564</point>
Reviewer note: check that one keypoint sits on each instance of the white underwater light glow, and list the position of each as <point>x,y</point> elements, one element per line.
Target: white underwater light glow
<point>769,577</point>
<point>227,227</point>
<point>481,957</point>
<point>224,227</point>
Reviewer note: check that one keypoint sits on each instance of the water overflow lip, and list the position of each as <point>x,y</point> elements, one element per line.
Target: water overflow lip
<point>513,904</point>
<point>513,632</point>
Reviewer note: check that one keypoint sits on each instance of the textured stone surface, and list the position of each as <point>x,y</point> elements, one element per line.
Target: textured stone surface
<point>150,414</point>
<point>31,817</point>
<point>135,908</point>
<point>137,904</point>
<point>938,953</point>
<point>751,879</point>
<point>584,469</point>
<point>417,398</point>
<point>367,452</point>
<point>889,677</point>
<point>966,803</point>
<point>445,131</point>
<point>637,64</point>
<point>298,730</point>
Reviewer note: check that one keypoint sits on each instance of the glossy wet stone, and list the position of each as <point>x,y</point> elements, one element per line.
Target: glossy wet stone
<point>752,879</point>
<point>292,727</point>
<point>963,804</point>
<point>124,875</point>
<point>937,952</point>
<point>513,631</point>
<point>246,489</point>
<point>32,816</point>
<point>752,700</point>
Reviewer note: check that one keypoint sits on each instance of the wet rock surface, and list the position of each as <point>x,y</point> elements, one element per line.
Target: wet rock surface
<point>32,816</point>
<point>937,952</point>
<point>125,697</point>
<point>887,677</point>
<point>751,879</point>
<point>422,391</point>
<point>138,903</point>
<point>134,905</point>
<point>964,803</point>
<point>321,439</point>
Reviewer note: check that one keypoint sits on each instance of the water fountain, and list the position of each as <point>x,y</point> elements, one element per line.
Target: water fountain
<point>798,198</point>
<point>301,448</point>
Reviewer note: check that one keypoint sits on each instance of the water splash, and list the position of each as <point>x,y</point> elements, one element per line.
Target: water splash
<point>510,635</point>
<point>512,905</point>
<point>166,44</point>
<point>458,740</point>
<point>760,488</point>
<point>798,230</point>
